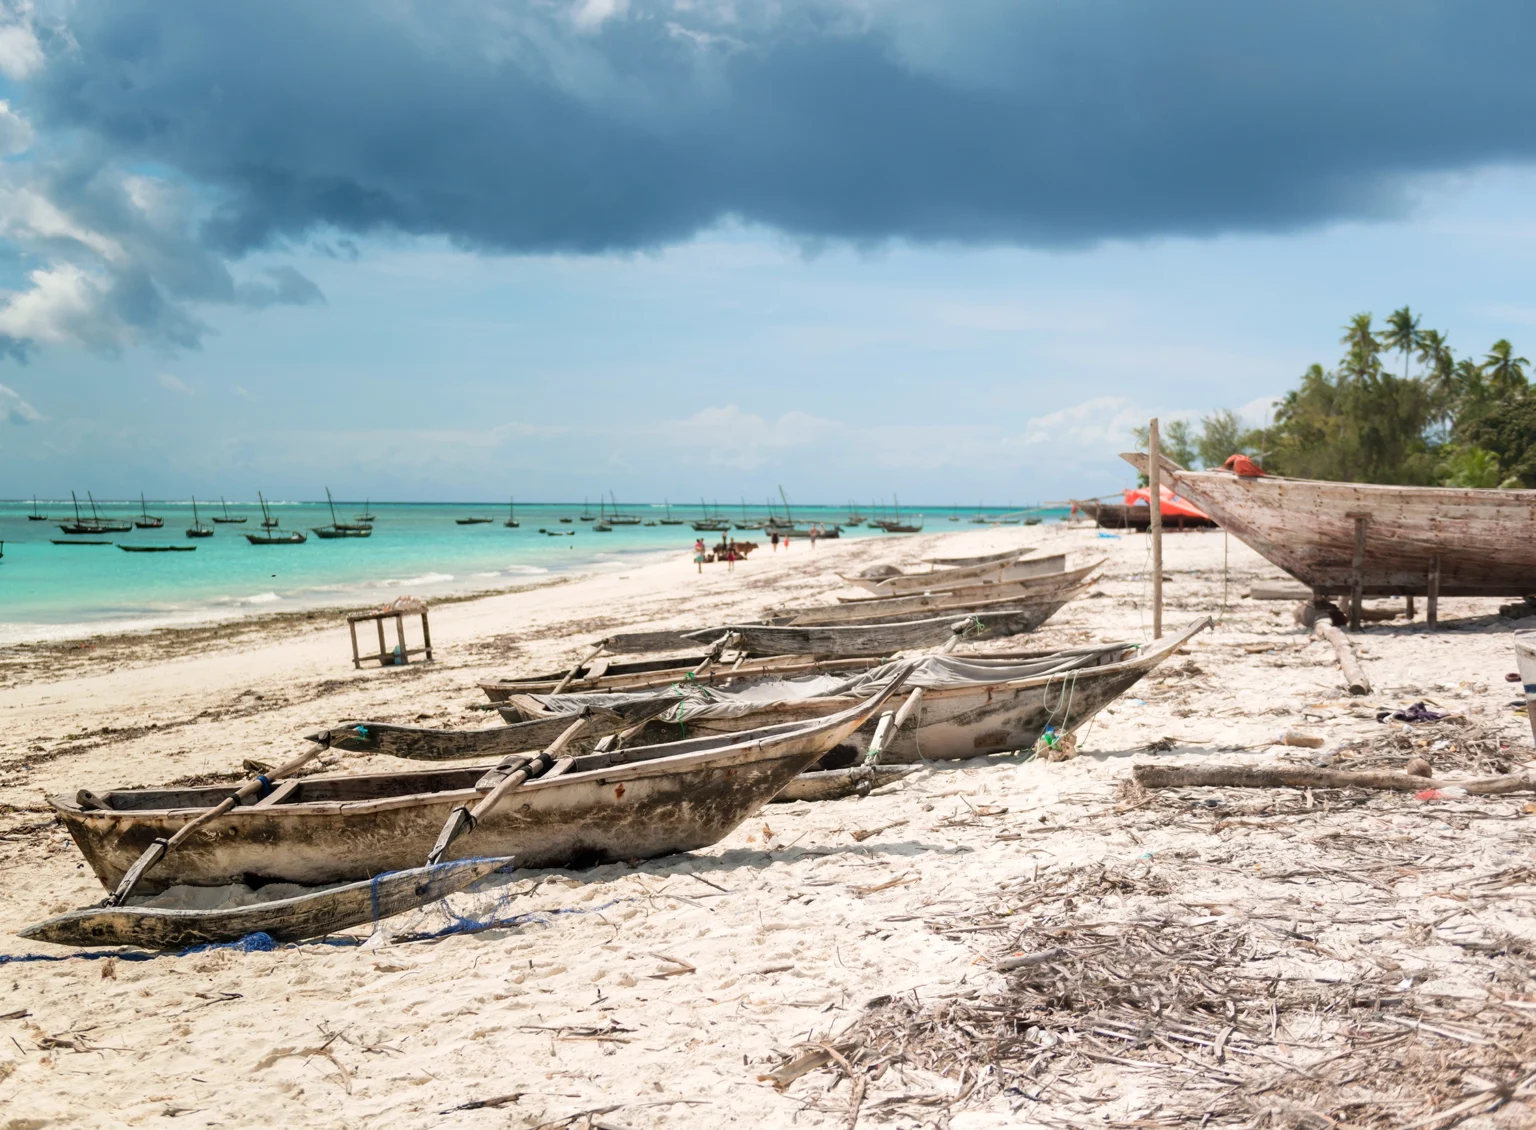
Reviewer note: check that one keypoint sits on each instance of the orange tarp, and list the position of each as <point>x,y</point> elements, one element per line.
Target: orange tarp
<point>1173,505</point>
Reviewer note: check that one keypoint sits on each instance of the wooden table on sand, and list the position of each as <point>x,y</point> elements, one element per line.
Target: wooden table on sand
<point>396,612</point>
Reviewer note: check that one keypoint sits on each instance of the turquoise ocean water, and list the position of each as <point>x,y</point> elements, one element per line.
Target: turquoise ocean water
<point>51,591</point>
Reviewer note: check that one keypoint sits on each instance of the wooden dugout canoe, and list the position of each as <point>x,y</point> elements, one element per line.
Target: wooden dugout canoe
<point>841,639</point>
<point>1025,589</point>
<point>283,920</point>
<point>981,717</point>
<point>1483,542</point>
<point>1021,614</point>
<point>602,675</point>
<point>979,559</point>
<point>629,804</point>
<point>942,580</point>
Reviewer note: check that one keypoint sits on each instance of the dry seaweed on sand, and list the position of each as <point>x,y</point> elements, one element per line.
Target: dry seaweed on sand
<point>1122,999</point>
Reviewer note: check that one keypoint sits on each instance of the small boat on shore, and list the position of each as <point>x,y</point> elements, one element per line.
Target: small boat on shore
<point>1415,541</point>
<point>973,705</point>
<point>839,639</point>
<point>940,580</point>
<point>228,519</point>
<point>1027,577</point>
<point>341,529</point>
<point>197,529</point>
<point>586,810</point>
<point>146,520</point>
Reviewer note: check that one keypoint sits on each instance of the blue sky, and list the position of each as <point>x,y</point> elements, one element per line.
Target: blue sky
<point>948,251</point>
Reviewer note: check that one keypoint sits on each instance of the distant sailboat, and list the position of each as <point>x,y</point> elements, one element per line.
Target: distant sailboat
<point>197,529</point>
<point>669,520</point>
<point>146,520</point>
<point>340,529</point>
<point>95,524</point>
<point>601,526</point>
<point>366,515</point>
<point>586,511</point>
<point>272,536</point>
<point>227,520</point>
<point>36,515</point>
<point>511,523</point>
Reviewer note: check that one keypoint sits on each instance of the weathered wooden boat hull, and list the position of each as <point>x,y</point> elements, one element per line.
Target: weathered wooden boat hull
<point>1483,540</point>
<point>995,619</point>
<point>662,672</point>
<point>631,804</point>
<point>942,580</point>
<point>978,559</point>
<point>283,920</point>
<point>958,722</point>
<point>927,607</point>
<point>840,639</point>
<point>1022,590</point>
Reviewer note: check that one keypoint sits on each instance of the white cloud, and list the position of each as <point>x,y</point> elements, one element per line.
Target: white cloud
<point>590,15</point>
<point>20,52</point>
<point>1260,412</point>
<point>1097,423</point>
<point>15,410</point>
<point>727,436</point>
<point>175,384</point>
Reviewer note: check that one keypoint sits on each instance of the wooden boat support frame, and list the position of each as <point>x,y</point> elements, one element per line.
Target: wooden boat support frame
<point>386,657</point>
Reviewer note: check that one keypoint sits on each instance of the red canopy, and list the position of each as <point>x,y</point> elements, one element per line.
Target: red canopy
<point>1173,505</point>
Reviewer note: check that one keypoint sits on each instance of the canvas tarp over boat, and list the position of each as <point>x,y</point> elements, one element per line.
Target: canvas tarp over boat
<point>935,672</point>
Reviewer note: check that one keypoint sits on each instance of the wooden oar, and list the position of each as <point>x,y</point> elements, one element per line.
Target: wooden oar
<point>890,724</point>
<point>580,663</point>
<point>157,850</point>
<point>508,774</point>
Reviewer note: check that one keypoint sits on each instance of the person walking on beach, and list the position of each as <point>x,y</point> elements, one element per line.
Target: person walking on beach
<point>730,557</point>
<point>775,541</point>
<point>698,553</point>
<point>815,530</point>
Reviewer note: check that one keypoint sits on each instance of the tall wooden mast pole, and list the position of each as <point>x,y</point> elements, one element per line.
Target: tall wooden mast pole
<point>1155,530</point>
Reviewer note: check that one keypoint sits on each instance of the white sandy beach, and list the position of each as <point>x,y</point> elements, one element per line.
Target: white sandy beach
<point>659,994</point>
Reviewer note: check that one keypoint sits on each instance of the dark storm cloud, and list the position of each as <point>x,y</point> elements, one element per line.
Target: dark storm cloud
<point>542,126</point>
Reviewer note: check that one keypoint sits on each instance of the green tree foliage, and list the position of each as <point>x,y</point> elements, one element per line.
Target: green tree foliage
<point>1221,435</point>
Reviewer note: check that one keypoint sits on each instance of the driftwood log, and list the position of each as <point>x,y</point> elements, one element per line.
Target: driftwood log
<point>1354,674</point>
<point>1308,777</point>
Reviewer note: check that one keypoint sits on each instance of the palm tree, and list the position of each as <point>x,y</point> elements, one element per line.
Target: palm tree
<point>1435,355</point>
<point>1403,335</point>
<point>1360,340</point>
<point>1506,372</point>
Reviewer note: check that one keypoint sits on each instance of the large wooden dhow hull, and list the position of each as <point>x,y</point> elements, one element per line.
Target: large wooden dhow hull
<point>971,720</point>
<point>344,828</point>
<point>1482,542</point>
